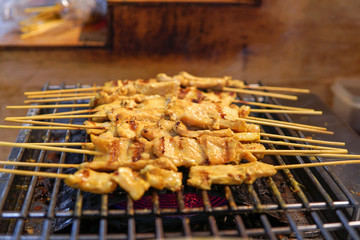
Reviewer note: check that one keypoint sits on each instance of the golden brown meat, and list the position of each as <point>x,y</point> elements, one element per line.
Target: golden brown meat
<point>100,127</point>
<point>183,131</point>
<point>131,182</point>
<point>128,114</point>
<point>91,181</point>
<point>132,128</point>
<point>204,176</point>
<point>186,80</point>
<point>162,162</point>
<point>204,150</point>
<point>162,128</point>
<point>160,178</point>
<point>206,115</point>
<point>130,88</point>
<point>182,151</point>
<point>192,94</point>
<point>121,150</point>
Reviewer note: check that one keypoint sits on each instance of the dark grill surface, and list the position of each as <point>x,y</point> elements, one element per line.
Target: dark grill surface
<point>302,203</point>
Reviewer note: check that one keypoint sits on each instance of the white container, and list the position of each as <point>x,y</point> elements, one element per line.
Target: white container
<point>346,102</point>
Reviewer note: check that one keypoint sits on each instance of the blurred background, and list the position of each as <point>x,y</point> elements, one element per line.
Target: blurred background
<point>305,44</point>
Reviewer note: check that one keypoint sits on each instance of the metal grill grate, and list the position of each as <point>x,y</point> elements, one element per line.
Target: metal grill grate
<point>301,203</point>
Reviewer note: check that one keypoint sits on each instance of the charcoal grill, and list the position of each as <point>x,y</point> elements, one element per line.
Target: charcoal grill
<point>302,203</point>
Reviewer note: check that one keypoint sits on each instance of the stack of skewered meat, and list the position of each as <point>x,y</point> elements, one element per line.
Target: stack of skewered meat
<point>153,127</point>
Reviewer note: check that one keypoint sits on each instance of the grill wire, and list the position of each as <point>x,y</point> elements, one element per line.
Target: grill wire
<point>302,203</point>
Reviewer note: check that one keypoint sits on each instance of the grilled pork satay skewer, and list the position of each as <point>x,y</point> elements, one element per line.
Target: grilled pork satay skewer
<point>229,82</point>
<point>200,176</point>
<point>189,152</point>
<point>157,115</point>
<point>163,163</point>
<point>134,182</point>
<point>194,94</point>
<point>150,131</point>
<point>185,79</point>
<point>204,176</point>
<point>275,95</point>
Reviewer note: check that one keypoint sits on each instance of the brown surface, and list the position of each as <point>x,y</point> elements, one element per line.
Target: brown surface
<point>281,42</point>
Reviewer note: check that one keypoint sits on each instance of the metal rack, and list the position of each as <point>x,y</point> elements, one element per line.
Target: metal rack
<point>301,203</point>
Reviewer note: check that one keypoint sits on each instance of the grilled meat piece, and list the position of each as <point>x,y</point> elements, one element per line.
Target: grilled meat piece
<point>192,94</point>
<point>182,151</point>
<point>130,88</point>
<point>204,176</point>
<point>91,181</point>
<point>166,128</point>
<point>186,79</point>
<point>131,182</point>
<point>121,150</point>
<point>204,150</point>
<point>162,162</point>
<point>207,115</point>
<point>160,178</point>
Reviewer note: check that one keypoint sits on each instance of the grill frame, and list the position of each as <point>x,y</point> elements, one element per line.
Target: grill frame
<point>345,209</point>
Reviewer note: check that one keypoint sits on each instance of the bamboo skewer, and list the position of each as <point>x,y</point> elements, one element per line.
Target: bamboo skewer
<point>58,99</point>
<point>38,127</point>
<point>34,173</point>
<point>37,164</point>
<point>68,144</point>
<point>49,106</point>
<point>72,90</point>
<point>296,145</point>
<point>283,89</point>
<point>272,105</point>
<point>253,92</point>
<point>286,123</point>
<point>299,152</point>
<point>71,112</point>
<point>285,111</point>
<point>338,155</point>
<point>302,139</point>
<point>286,126</point>
<point>62,95</point>
<point>72,126</point>
<point>49,148</point>
<point>40,117</point>
<point>318,164</point>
